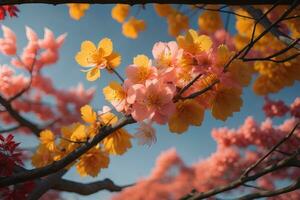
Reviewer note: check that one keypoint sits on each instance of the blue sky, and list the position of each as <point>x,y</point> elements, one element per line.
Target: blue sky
<point>97,24</point>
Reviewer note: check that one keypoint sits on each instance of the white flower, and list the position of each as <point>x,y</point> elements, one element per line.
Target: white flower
<point>145,134</point>
<point>105,109</point>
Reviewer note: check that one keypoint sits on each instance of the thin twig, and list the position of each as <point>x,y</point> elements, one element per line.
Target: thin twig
<point>10,129</point>
<point>250,168</point>
<point>118,75</point>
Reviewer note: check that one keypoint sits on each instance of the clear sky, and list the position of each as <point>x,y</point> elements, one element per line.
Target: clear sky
<point>97,24</point>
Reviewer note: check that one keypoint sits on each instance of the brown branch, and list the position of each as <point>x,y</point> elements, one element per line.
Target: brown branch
<point>257,20</point>
<point>58,165</point>
<point>56,182</point>
<point>278,53</point>
<point>9,129</point>
<point>25,89</point>
<point>287,162</point>
<point>290,161</point>
<point>133,2</point>
<point>43,185</point>
<point>22,121</point>
<point>186,87</point>
<point>254,186</point>
<point>249,169</point>
<point>198,93</point>
<point>271,27</point>
<point>117,74</point>
<point>223,11</point>
<point>290,188</point>
<point>87,188</point>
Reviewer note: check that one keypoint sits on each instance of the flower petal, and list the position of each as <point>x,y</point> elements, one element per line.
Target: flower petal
<point>93,74</point>
<point>106,46</point>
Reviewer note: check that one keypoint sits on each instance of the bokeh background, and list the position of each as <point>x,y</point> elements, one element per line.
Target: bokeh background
<point>193,145</point>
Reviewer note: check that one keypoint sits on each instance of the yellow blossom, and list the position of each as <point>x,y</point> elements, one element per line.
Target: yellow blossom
<point>226,101</point>
<point>241,72</point>
<point>118,142</point>
<point>79,134</point>
<point>141,60</point>
<point>210,21</point>
<point>163,10</point>
<point>194,43</point>
<point>133,27</point>
<point>114,92</point>
<point>275,76</point>
<point>66,145</point>
<point>88,115</point>
<point>223,55</point>
<point>188,112</point>
<point>97,58</point>
<point>92,162</point>
<point>120,12</point>
<point>47,138</point>
<point>141,69</point>
<point>77,10</point>
<point>108,118</point>
<point>42,157</point>
<point>177,22</point>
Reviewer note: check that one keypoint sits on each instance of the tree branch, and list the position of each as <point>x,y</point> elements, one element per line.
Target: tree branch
<point>267,24</point>
<point>45,184</point>
<point>290,161</point>
<point>249,169</point>
<point>22,121</point>
<point>87,188</point>
<point>287,162</point>
<point>133,2</point>
<point>58,165</point>
<point>9,129</point>
<point>261,194</point>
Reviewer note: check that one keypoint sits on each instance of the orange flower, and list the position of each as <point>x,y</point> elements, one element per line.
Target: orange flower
<point>133,27</point>
<point>77,10</point>
<point>120,12</point>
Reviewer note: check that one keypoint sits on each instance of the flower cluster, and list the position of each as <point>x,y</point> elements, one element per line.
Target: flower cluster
<point>23,79</point>
<point>275,74</point>
<point>155,89</point>
<point>236,149</point>
<point>73,136</point>
<point>130,28</point>
<point>177,21</point>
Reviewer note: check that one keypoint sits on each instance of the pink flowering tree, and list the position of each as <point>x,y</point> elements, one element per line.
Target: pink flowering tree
<point>200,71</point>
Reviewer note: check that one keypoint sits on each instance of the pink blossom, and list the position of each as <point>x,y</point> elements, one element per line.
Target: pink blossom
<point>50,42</point>
<point>145,134</point>
<point>295,108</point>
<point>166,54</point>
<point>8,44</point>
<point>153,101</point>
<point>139,74</point>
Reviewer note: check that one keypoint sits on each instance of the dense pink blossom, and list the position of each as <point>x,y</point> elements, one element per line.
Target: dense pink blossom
<point>236,149</point>
<point>46,102</point>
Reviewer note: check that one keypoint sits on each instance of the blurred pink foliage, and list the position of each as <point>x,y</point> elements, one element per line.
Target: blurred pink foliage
<point>236,149</point>
<point>41,98</point>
